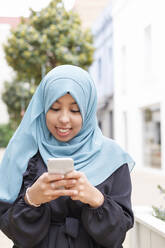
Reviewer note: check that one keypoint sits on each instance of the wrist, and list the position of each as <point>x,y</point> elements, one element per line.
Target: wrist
<point>98,200</point>
<point>29,200</point>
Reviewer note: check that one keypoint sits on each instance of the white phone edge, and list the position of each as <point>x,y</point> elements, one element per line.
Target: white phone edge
<point>60,165</point>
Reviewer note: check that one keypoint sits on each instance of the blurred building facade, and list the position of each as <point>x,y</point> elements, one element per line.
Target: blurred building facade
<point>139,79</point>
<point>102,70</point>
<point>6,73</point>
<point>89,10</point>
<point>138,89</point>
<point>130,34</point>
<point>96,15</point>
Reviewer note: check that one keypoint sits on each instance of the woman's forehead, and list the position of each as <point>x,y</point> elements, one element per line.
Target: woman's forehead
<point>67,98</point>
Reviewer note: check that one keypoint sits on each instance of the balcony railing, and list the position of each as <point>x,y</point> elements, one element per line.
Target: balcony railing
<point>148,231</point>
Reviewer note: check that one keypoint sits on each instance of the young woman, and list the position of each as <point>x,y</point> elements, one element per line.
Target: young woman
<point>93,209</point>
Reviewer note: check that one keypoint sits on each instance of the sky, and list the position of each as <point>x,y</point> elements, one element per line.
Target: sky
<point>15,8</point>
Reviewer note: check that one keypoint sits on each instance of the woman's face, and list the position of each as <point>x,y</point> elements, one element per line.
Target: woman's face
<point>63,119</point>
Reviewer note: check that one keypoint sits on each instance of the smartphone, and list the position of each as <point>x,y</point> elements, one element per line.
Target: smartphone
<point>60,165</point>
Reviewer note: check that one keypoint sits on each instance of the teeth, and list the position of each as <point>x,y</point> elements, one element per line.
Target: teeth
<point>63,130</point>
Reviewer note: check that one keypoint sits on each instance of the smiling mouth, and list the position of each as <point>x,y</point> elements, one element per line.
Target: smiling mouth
<point>63,131</point>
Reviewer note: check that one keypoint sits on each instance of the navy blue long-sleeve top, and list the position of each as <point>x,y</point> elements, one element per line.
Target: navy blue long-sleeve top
<point>65,223</point>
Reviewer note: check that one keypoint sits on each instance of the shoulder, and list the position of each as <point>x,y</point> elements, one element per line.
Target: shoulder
<point>111,143</point>
<point>122,170</point>
<point>118,155</point>
<point>121,173</point>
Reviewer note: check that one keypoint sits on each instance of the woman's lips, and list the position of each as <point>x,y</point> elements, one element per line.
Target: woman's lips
<point>63,131</point>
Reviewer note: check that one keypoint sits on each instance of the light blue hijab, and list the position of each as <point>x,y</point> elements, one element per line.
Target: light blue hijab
<point>95,155</point>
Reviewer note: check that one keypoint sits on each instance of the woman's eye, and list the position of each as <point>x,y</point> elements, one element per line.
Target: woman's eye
<point>55,109</point>
<point>72,110</point>
<point>75,111</point>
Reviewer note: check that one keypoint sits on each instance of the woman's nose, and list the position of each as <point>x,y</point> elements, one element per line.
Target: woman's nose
<point>64,117</point>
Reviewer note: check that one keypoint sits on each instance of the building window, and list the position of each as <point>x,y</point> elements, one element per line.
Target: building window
<point>100,124</point>
<point>125,123</point>
<point>147,50</point>
<point>152,137</point>
<point>110,68</point>
<point>111,120</point>
<point>99,68</point>
<point>123,69</point>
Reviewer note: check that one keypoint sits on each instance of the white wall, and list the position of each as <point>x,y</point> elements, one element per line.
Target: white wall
<point>144,85</point>
<point>102,69</point>
<point>102,31</point>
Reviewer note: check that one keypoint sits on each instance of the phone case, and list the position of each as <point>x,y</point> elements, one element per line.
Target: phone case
<point>60,165</point>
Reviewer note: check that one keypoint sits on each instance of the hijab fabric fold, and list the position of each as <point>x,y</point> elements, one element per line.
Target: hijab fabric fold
<point>95,155</point>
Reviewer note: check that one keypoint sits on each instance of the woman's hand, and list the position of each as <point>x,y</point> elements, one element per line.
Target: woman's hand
<point>48,187</point>
<point>87,193</point>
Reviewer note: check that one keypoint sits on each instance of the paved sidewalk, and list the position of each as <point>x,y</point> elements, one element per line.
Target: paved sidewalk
<point>5,242</point>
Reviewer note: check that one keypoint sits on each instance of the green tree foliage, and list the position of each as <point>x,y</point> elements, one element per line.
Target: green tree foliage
<point>159,212</point>
<point>6,132</point>
<point>16,96</point>
<point>46,39</point>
